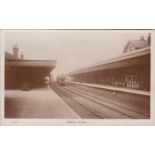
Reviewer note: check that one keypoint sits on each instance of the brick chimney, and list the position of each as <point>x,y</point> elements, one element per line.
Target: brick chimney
<point>15,51</point>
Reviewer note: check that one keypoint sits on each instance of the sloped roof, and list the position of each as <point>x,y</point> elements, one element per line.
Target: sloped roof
<point>137,44</point>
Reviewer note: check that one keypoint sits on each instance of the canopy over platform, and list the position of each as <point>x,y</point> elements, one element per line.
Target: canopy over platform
<point>139,57</point>
<point>130,70</point>
<point>31,72</point>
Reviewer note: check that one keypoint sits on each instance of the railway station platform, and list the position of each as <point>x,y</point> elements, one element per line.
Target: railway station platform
<point>36,103</point>
<point>112,88</point>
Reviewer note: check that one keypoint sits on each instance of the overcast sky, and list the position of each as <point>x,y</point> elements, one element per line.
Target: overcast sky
<point>72,49</point>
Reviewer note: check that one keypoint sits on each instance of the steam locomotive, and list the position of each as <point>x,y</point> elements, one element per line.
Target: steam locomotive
<point>62,80</point>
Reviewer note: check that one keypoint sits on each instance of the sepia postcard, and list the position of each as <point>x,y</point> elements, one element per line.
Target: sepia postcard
<point>77,77</point>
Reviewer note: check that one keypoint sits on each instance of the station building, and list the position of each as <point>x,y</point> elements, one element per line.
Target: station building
<point>20,72</point>
<point>133,45</point>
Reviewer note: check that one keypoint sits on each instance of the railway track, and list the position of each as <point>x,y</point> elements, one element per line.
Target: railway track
<point>105,112</point>
<point>118,98</point>
<point>81,110</point>
<point>99,107</point>
<point>121,103</point>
